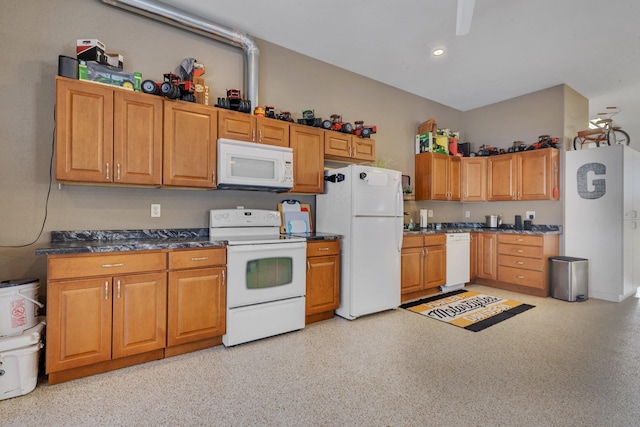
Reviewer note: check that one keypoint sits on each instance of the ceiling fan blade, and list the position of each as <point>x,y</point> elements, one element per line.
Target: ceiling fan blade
<point>465,13</point>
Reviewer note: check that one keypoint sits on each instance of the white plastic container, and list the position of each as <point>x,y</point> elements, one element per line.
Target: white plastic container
<point>19,357</point>
<point>18,305</point>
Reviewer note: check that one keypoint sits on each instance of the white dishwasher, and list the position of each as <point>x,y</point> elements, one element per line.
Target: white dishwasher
<point>458,259</point>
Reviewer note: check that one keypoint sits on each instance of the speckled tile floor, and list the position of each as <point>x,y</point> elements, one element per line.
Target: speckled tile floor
<point>559,364</point>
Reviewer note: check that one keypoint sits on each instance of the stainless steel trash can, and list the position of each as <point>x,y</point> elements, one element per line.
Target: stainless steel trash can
<point>569,278</point>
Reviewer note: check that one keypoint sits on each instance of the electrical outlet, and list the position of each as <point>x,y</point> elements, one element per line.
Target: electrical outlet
<point>155,210</point>
<point>430,214</point>
<point>467,214</point>
<point>531,215</point>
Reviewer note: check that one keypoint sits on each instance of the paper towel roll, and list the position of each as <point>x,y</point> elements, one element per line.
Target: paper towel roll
<point>424,213</point>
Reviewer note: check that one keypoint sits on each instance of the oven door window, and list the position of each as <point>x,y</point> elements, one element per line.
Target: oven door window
<point>269,272</point>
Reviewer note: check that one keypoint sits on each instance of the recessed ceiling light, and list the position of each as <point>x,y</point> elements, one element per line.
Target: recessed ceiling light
<point>438,52</point>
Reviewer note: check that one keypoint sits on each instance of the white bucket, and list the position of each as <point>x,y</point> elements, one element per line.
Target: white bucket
<point>18,306</point>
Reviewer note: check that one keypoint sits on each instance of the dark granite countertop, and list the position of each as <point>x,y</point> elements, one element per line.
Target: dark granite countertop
<point>100,241</point>
<point>467,227</point>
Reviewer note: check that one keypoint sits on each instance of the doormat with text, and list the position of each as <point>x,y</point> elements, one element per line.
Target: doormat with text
<point>466,309</point>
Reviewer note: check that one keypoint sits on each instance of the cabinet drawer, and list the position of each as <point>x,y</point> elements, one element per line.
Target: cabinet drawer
<point>435,239</point>
<point>521,239</point>
<point>329,247</point>
<point>197,258</point>
<point>520,262</point>
<point>412,241</point>
<point>64,267</point>
<point>520,250</point>
<point>529,278</point>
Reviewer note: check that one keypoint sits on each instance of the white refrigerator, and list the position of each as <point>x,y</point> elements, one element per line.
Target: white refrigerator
<point>601,224</point>
<point>365,205</point>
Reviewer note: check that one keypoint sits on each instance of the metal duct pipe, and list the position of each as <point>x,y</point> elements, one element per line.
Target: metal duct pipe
<point>179,18</point>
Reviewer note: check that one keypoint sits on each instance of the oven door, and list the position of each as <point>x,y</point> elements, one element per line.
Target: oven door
<point>265,272</point>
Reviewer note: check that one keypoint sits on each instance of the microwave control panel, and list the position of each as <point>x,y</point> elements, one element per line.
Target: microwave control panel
<point>288,172</point>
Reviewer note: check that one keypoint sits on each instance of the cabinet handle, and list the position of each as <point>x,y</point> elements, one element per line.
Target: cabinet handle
<point>323,249</point>
<point>518,250</point>
<point>519,277</point>
<point>308,266</point>
<point>106,290</point>
<point>519,262</point>
<point>213,177</point>
<point>118,289</point>
<point>223,278</point>
<point>202,258</point>
<point>260,136</point>
<point>121,264</point>
<point>253,135</point>
<point>108,172</point>
<point>519,240</point>
<point>118,171</point>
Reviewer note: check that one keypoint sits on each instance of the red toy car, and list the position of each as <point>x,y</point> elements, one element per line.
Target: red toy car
<point>363,130</point>
<point>234,101</point>
<point>337,124</point>
<point>172,88</point>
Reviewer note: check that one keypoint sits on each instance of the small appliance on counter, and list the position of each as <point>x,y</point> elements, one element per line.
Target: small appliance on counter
<point>424,221</point>
<point>493,221</point>
<point>518,225</point>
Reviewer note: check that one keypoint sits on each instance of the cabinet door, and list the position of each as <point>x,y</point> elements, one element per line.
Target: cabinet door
<point>190,139</point>
<point>435,266</point>
<point>273,132</point>
<point>84,131</point>
<point>538,174</point>
<point>337,144</point>
<point>137,138</point>
<point>440,178</point>
<point>363,148</point>
<point>197,305</point>
<point>139,313</point>
<point>235,125</point>
<point>423,169</point>
<point>78,323</point>
<point>501,177</point>
<point>411,270</point>
<point>308,159</point>
<point>473,251</point>
<point>323,284</point>
<point>454,184</point>
<point>487,260</point>
<point>474,179</point>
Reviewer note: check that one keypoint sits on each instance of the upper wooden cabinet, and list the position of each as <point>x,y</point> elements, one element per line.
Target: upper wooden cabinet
<point>190,144</point>
<point>437,176</point>
<point>107,135</point>
<point>308,159</point>
<point>345,147</point>
<point>528,175</point>
<point>474,179</point>
<point>272,132</point>
<point>235,125</point>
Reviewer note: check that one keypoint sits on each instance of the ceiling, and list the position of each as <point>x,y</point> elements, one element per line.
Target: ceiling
<point>514,47</point>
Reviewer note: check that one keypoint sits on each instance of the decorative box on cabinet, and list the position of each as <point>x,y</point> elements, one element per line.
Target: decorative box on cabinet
<point>437,176</point>
<point>104,312</point>
<point>423,265</point>
<point>197,299</point>
<point>323,280</point>
<point>107,135</point>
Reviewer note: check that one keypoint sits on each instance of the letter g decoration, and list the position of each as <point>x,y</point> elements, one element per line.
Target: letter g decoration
<point>598,185</point>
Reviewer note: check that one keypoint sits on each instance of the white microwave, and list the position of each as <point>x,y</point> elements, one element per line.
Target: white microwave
<point>252,166</point>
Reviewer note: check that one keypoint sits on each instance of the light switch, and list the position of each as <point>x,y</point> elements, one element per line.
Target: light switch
<point>155,210</point>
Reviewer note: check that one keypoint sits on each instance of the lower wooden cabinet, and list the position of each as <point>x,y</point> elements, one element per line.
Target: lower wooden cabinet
<point>423,265</point>
<point>516,262</point>
<point>323,280</point>
<point>197,299</point>
<point>101,319</point>
<point>107,311</point>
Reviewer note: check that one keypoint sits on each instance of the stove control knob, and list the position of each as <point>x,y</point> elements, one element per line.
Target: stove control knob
<point>218,216</point>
